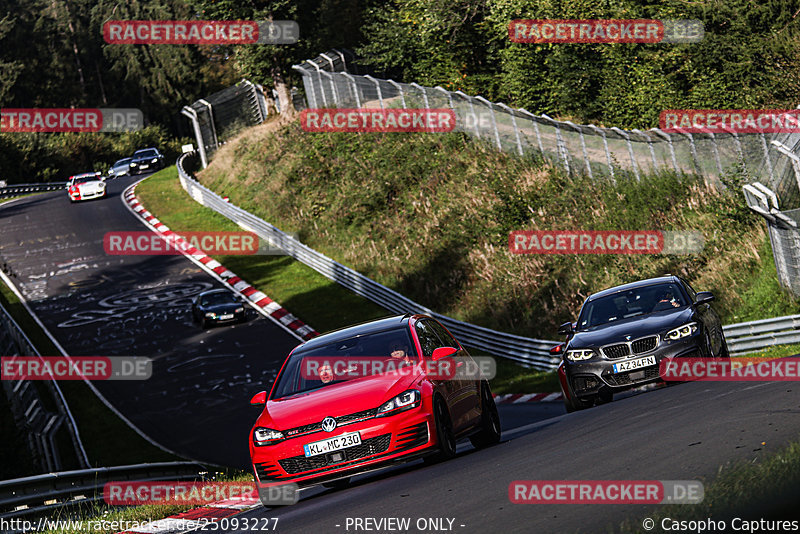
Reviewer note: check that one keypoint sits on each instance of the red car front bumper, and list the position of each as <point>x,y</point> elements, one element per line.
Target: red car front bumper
<point>400,437</point>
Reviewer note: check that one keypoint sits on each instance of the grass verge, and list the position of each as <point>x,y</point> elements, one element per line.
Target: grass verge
<point>767,489</point>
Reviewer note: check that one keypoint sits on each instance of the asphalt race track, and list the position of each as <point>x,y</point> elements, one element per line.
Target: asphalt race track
<point>95,304</point>
<point>683,432</point>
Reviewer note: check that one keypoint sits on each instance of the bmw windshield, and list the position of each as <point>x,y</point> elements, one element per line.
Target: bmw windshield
<point>631,303</point>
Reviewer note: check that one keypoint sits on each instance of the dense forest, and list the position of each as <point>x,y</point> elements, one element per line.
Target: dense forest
<point>52,54</point>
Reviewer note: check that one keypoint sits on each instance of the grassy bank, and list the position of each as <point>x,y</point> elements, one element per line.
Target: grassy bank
<point>430,215</point>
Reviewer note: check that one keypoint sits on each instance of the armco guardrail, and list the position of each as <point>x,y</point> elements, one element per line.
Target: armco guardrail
<point>757,335</point>
<point>742,337</point>
<point>42,494</point>
<point>527,351</point>
<point>40,424</point>
<point>24,189</point>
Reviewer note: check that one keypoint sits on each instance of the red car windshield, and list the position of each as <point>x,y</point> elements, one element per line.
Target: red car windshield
<point>325,365</point>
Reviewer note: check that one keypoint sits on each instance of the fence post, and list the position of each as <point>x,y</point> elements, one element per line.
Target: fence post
<point>693,150</point>
<point>514,124</point>
<point>583,147</point>
<point>494,120</point>
<point>211,121</point>
<point>716,152</point>
<point>472,111</point>
<point>198,135</point>
<point>378,87</point>
<point>308,82</point>
<point>786,151</point>
<point>333,88</point>
<point>668,137</point>
<point>560,146</point>
<point>355,88</point>
<point>630,150</point>
<point>319,81</point>
<point>400,91</point>
<point>767,160</point>
<point>650,146</point>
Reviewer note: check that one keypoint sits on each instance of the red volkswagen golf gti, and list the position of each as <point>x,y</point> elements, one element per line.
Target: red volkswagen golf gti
<point>366,396</point>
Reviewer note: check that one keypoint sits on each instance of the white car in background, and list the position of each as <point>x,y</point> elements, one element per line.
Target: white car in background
<point>86,186</point>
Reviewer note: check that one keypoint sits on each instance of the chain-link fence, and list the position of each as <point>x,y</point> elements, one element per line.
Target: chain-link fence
<point>222,115</point>
<point>330,80</point>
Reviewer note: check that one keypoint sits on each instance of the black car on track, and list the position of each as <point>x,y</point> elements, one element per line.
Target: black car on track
<point>622,334</point>
<point>146,160</point>
<point>218,306</point>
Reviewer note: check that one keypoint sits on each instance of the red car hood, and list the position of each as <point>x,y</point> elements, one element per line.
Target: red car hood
<point>339,399</point>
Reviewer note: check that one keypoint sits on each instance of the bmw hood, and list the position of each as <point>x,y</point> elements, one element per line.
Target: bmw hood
<point>339,399</point>
<point>635,327</point>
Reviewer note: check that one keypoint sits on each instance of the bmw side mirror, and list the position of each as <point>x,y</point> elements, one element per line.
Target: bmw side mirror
<point>703,297</point>
<point>566,329</point>
<point>259,398</point>
<point>557,350</point>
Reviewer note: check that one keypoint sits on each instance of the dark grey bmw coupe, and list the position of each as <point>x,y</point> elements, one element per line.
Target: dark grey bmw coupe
<point>622,334</point>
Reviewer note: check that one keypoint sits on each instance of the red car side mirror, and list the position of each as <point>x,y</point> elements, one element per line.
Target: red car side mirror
<point>259,398</point>
<point>443,352</point>
<point>557,350</point>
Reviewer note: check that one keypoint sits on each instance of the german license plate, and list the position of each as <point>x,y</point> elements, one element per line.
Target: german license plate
<point>632,365</point>
<point>226,316</point>
<point>332,444</point>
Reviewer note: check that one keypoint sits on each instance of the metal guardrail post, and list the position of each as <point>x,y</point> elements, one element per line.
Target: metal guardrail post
<point>211,121</point>
<point>380,93</point>
<point>494,120</point>
<point>516,130</point>
<point>668,138</point>
<point>583,147</point>
<point>308,82</point>
<point>783,149</point>
<point>355,88</point>
<point>399,90</point>
<point>198,135</point>
<point>627,138</point>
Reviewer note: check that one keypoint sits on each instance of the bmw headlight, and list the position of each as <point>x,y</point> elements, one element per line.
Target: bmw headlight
<point>580,354</point>
<point>405,401</point>
<point>154,160</point>
<point>134,164</point>
<point>266,436</point>
<point>238,310</point>
<point>682,331</point>
<point>211,315</point>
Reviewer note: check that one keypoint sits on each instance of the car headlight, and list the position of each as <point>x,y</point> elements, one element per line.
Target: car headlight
<point>154,160</point>
<point>405,401</point>
<point>133,164</point>
<point>238,310</point>
<point>682,331</point>
<point>211,315</point>
<point>580,354</point>
<point>266,436</point>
